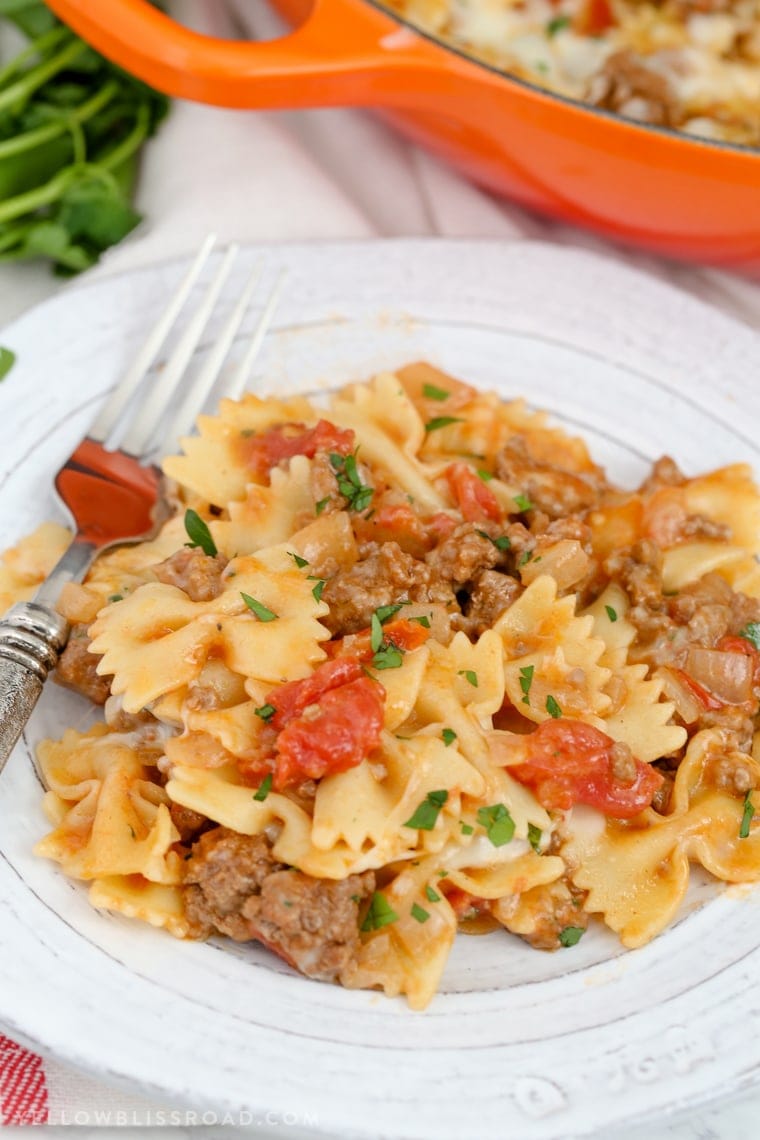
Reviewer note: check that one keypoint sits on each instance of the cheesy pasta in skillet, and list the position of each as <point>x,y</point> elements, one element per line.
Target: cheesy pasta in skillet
<point>405,665</point>
<point>693,65</point>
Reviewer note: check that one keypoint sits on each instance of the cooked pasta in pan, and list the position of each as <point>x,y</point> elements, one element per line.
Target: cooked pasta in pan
<point>405,665</point>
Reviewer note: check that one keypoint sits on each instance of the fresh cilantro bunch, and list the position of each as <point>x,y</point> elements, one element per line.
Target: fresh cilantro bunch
<point>71,129</point>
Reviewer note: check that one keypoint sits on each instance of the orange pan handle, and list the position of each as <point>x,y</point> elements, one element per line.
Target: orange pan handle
<point>344,53</point>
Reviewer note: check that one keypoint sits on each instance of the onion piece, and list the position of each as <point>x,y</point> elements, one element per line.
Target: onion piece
<point>566,561</point>
<point>727,675</point>
<point>688,707</point>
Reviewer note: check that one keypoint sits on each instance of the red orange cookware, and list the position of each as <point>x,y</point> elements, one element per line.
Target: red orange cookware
<point>644,185</point>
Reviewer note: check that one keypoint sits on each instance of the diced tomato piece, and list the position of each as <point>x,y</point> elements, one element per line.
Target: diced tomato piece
<point>262,452</point>
<point>466,905</point>
<point>403,633</point>
<point>707,699</point>
<point>596,17</point>
<point>339,731</point>
<point>395,522</point>
<point>290,699</point>
<point>474,498</point>
<point>440,526</point>
<point>569,762</point>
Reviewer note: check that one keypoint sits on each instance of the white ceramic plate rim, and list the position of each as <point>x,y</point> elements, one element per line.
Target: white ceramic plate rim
<point>113,1008</point>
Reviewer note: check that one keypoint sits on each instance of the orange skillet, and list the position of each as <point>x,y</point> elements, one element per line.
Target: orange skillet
<point>647,186</point>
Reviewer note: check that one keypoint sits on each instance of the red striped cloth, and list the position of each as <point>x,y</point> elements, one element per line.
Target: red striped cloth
<point>23,1091</point>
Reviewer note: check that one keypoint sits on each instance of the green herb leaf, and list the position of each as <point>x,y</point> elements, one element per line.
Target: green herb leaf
<point>470,675</point>
<point>376,633</point>
<point>299,561</point>
<point>116,598</point>
<point>419,913</point>
<point>258,608</point>
<point>571,935</point>
<point>386,612</point>
<point>751,632</point>
<point>486,476</point>
<point>442,422</point>
<point>431,895</point>
<point>448,736</point>
<point>430,392</point>
<point>388,657</point>
<point>498,823</point>
<point>317,591</point>
<point>525,557</point>
<point>501,542</point>
<point>264,789</point>
<point>534,836</point>
<point>199,534</point>
<point>553,708</point>
<point>558,24</point>
<point>423,621</point>
<point>426,814</point>
<point>749,812</point>
<point>466,828</point>
<point>356,493</point>
<point>266,712</point>
<point>611,613</point>
<point>7,360</point>
<point>320,506</point>
<point>523,503</point>
<point>380,913</point>
<point>526,680</point>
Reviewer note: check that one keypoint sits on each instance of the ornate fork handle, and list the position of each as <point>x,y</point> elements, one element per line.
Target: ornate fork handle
<point>31,638</point>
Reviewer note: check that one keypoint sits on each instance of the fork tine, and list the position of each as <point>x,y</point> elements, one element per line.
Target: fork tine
<point>141,431</point>
<point>182,420</point>
<point>114,407</point>
<point>239,380</point>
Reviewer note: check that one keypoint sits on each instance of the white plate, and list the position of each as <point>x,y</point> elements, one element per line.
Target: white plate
<point>518,1043</point>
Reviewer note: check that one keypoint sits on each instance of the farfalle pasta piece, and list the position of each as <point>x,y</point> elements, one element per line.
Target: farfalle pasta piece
<point>214,462</point>
<point>686,564</point>
<point>729,497</point>
<point>612,625</point>
<point>552,661</point>
<point>642,720</point>
<point>637,873</point>
<point>29,562</point>
<point>157,639</point>
<point>267,516</point>
<point>136,897</point>
<point>111,818</point>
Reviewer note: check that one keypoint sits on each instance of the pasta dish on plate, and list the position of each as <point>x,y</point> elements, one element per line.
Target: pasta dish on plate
<point>403,665</point>
<point>693,65</point>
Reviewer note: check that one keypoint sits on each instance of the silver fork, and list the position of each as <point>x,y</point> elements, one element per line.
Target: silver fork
<point>114,493</point>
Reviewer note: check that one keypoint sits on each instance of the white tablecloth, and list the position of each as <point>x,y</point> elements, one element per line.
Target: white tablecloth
<point>319,174</point>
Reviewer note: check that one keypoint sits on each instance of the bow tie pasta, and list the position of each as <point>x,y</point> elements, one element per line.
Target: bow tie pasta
<point>403,665</point>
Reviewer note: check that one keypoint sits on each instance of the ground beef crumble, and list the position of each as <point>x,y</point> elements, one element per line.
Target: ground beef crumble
<point>198,574</point>
<point>77,667</point>
<point>233,885</point>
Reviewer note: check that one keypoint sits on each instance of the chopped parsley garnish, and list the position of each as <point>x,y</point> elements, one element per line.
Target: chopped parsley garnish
<point>523,503</point>
<point>751,632</point>
<point>264,789</point>
<point>258,608</point>
<point>266,712</point>
<point>376,633</point>
<point>299,561</point>
<point>749,811</point>
<point>420,913</point>
<point>116,598</point>
<point>430,392</point>
<point>198,533</point>
<point>384,613</point>
<point>442,422</point>
<point>467,828</point>
<point>388,657</point>
<point>380,913</point>
<point>470,675</point>
<point>426,814</point>
<point>317,591</point>
<point>525,557</point>
<point>501,542</point>
<point>571,935</point>
<point>526,680</point>
<point>553,708</point>
<point>534,836</point>
<point>448,736</point>
<point>611,613</point>
<point>356,493</point>
<point>7,360</point>
<point>423,621</point>
<point>431,895</point>
<point>486,476</point>
<point>499,825</point>
<point>558,24</point>
<point>320,506</point>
